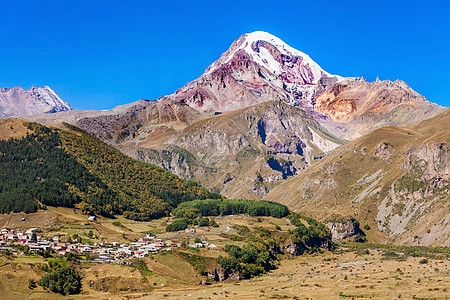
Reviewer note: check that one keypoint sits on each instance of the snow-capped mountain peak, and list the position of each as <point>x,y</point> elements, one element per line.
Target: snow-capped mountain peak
<point>276,56</point>
<point>266,59</point>
<point>257,67</point>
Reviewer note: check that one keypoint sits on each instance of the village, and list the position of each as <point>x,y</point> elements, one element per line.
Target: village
<point>16,240</point>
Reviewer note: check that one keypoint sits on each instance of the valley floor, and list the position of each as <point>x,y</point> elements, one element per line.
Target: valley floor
<point>332,276</point>
<point>350,274</point>
<point>366,271</point>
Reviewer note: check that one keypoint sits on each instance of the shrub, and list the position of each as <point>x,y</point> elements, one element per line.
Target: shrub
<point>204,222</point>
<point>141,266</point>
<point>31,284</point>
<point>366,227</point>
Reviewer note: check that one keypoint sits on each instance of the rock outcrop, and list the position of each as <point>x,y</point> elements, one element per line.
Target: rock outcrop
<point>344,230</point>
<point>384,151</point>
<point>221,275</point>
<point>292,248</point>
<point>425,184</point>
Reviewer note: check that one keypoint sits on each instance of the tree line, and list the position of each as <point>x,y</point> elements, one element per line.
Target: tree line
<point>216,207</point>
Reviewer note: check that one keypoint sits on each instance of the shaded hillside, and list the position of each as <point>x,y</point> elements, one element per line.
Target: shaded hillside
<point>243,153</point>
<point>62,168</point>
<point>396,179</point>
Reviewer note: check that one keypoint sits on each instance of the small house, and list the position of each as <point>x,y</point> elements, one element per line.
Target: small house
<point>212,246</point>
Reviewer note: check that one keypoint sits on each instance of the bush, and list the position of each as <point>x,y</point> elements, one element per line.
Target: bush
<point>366,227</point>
<point>423,261</point>
<point>65,281</point>
<point>248,261</point>
<point>31,284</point>
<point>204,222</point>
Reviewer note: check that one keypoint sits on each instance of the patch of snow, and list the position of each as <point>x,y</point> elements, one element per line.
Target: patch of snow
<point>265,59</point>
<point>51,98</point>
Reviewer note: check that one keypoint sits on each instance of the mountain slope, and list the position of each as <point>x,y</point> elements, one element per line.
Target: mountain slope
<point>242,153</point>
<point>396,179</point>
<point>37,100</point>
<point>156,121</point>
<point>71,167</point>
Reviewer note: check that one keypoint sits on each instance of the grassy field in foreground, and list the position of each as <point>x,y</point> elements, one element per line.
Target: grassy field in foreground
<point>332,276</point>
<point>350,274</point>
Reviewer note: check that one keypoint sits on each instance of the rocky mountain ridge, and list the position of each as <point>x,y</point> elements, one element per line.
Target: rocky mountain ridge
<point>259,67</point>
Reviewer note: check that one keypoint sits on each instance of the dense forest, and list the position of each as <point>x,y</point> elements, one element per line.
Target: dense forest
<point>216,207</point>
<point>61,168</point>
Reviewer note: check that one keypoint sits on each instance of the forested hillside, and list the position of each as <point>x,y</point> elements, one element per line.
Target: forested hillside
<point>68,168</point>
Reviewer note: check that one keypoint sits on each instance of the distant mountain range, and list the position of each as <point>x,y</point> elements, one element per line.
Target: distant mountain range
<point>37,100</point>
<point>258,67</point>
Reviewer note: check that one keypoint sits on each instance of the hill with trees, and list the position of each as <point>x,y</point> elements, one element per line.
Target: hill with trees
<point>55,167</point>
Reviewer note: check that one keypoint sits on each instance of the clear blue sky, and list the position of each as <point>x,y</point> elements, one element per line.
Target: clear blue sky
<point>99,54</point>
